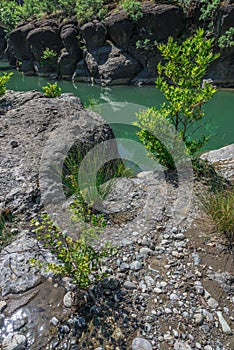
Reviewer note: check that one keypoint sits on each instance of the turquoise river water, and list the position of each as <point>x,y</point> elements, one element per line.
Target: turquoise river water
<point>123,101</point>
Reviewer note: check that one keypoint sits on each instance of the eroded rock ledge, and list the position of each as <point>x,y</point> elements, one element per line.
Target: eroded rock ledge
<point>107,53</point>
<point>223,161</point>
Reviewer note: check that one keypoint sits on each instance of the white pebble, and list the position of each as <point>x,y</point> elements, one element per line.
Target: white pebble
<point>225,327</point>
<point>68,299</point>
<point>141,344</point>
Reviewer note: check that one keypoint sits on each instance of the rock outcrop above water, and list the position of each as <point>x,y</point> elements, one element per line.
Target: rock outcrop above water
<point>27,121</point>
<point>110,65</point>
<point>222,160</point>
<point>121,50</point>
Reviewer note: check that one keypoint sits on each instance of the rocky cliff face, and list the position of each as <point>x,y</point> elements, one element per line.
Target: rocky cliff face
<point>3,42</point>
<point>222,160</point>
<point>117,51</point>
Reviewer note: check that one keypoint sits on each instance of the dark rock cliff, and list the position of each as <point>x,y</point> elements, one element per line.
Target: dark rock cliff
<point>116,51</point>
<point>3,42</point>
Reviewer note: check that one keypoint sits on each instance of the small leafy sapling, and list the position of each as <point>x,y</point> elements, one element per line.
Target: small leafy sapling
<point>52,90</point>
<point>181,81</point>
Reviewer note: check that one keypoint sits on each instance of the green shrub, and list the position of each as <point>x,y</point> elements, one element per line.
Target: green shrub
<point>10,14</point>
<point>4,78</point>
<point>33,7</point>
<point>185,67</point>
<point>49,57</point>
<point>186,5</point>
<point>219,205</point>
<point>81,204</point>
<point>133,9</point>
<point>146,44</point>
<point>67,6</point>
<point>2,231</point>
<point>87,9</point>
<point>76,259</point>
<point>152,117</point>
<point>208,10</point>
<point>93,105</point>
<point>227,40</point>
<point>52,90</point>
<point>104,180</point>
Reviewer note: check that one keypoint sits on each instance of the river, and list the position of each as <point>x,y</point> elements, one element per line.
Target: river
<point>123,101</point>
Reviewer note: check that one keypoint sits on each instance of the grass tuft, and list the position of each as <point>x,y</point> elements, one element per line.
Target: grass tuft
<point>219,206</point>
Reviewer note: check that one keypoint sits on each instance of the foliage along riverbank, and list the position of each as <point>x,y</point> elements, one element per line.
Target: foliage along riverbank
<point>115,47</point>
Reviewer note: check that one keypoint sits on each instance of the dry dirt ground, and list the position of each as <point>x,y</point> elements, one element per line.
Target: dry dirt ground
<point>215,255</point>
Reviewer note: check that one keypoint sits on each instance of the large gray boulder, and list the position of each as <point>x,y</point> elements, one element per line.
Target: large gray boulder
<point>27,120</point>
<point>67,64</point>
<point>19,43</point>
<point>39,40</point>
<point>119,28</point>
<point>161,20</point>
<point>111,65</point>
<point>222,70</point>
<point>68,34</point>
<point>223,161</point>
<point>71,53</point>
<point>93,34</point>
<point>149,60</point>
<point>27,67</point>
<point>225,18</point>
<point>81,72</point>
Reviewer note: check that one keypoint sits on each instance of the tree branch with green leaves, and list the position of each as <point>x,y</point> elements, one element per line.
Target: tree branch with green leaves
<point>180,79</point>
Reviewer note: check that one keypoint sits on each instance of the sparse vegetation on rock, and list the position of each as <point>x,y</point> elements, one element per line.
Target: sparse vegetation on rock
<point>77,258</point>
<point>219,205</point>
<point>52,90</point>
<point>4,78</point>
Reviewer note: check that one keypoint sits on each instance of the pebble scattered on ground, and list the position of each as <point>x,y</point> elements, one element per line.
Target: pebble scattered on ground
<point>159,293</point>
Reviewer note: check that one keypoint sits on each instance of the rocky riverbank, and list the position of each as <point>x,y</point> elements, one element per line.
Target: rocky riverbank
<point>170,286</point>
<point>115,51</point>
